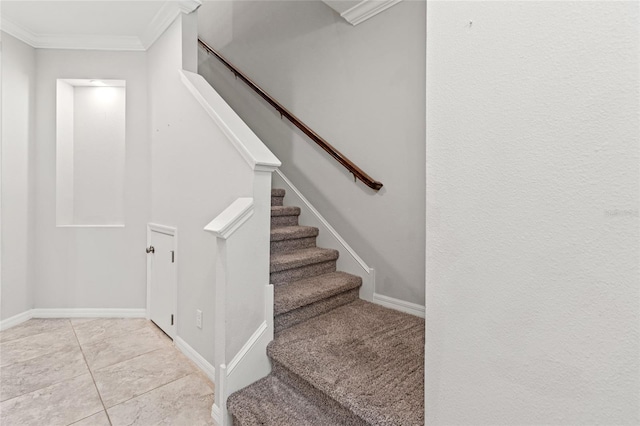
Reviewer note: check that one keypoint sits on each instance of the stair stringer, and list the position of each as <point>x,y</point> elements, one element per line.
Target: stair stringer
<point>349,261</point>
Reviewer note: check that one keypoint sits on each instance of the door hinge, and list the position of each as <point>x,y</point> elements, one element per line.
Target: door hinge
<point>171,319</point>
<point>173,256</point>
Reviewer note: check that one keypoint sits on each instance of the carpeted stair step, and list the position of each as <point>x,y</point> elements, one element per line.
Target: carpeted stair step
<point>304,263</point>
<point>284,216</point>
<point>277,196</point>
<point>300,300</point>
<point>367,358</point>
<point>289,238</point>
<point>269,401</point>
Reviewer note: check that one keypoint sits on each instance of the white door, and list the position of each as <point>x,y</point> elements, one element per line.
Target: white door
<point>163,285</point>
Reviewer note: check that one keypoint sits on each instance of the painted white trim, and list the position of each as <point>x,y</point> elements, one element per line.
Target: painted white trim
<point>366,9</point>
<point>216,414</point>
<point>232,218</point>
<point>219,408</point>
<point>328,231</point>
<point>173,232</point>
<point>188,6</point>
<point>399,305</point>
<point>249,344</point>
<point>163,229</point>
<point>90,226</point>
<point>252,149</point>
<point>169,11</point>
<point>194,356</point>
<point>18,32</point>
<point>269,296</point>
<point>88,313</point>
<point>89,42</point>
<point>60,41</point>
<point>71,313</point>
<point>248,365</point>
<point>15,320</point>
<point>326,224</point>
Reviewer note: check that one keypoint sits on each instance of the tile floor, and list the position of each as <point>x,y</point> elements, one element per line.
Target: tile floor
<point>95,372</point>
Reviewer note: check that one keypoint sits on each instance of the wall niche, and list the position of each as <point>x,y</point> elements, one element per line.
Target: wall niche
<point>90,152</point>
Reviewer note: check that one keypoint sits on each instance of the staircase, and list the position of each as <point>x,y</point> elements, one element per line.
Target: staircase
<point>337,360</point>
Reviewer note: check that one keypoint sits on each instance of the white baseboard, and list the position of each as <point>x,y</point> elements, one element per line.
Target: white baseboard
<point>399,305</point>
<point>197,359</point>
<point>15,320</point>
<point>216,415</point>
<point>88,313</point>
<point>219,412</point>
<point>71,313</point>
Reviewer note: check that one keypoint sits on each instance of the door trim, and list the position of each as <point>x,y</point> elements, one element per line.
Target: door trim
<point>173,232</point>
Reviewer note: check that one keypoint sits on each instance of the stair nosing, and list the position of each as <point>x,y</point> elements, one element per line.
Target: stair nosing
<point>325,255</point>
<point>278,356</point>
<point>277,211</point>
<point>350,282</point>
<point>238,402</point>
<point>283,233</point>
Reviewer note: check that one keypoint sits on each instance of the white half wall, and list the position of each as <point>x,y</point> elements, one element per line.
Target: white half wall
<point>532,213</point>
<point>362,89</point>
<point>89,267</point>
<point>196,172</point>
<point>17,191</point>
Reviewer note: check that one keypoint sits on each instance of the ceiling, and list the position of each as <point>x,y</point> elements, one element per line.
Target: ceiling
<point>105,25</point>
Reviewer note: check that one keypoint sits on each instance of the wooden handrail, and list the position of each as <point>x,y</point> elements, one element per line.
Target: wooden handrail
<point>355,170</point>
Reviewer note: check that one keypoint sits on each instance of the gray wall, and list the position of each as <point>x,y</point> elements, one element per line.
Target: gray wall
<point>18,139</point>
<point>532,215</point>
<point>192,161</point>
<point>361,88</point>
<point>92,267</point>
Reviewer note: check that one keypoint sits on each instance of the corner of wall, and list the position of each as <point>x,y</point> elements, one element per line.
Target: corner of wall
<point>190,41</point>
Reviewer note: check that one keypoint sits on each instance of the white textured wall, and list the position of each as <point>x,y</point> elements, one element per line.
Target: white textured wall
<point>64,153</point>
<point>195,173</point>
<point>18,118</point>
<point>362,89</point>
<point>532,213</point>
<point>99,155</point>
<point>92,267</point>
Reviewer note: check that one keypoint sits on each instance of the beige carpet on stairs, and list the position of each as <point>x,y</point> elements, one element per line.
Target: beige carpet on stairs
<point>337,360</point>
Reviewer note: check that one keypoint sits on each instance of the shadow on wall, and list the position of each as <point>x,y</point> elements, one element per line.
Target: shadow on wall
<point>358,91</point>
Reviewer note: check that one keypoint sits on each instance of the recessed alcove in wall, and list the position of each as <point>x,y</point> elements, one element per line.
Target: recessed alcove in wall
<point>90,152</point>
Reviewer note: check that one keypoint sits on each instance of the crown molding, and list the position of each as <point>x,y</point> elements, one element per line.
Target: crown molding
<point>188,6</point>
<point>164,18</point>
<point>77,42</point>
<point>366,9</point>
<point>18,32</point>
<point>51,41</point>
<point>169,11</point>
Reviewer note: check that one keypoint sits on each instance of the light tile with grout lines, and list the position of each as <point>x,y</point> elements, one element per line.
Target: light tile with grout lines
<point>98,372</point>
